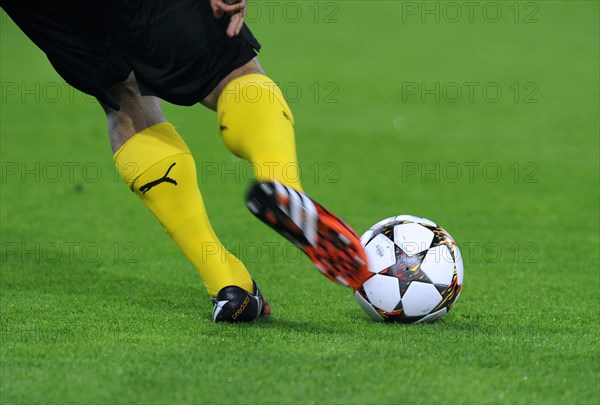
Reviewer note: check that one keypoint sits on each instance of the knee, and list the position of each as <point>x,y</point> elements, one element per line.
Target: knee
<point>136,112</point>
<point>127,93</point>
<point>118,121</point>
<point>127,96</point>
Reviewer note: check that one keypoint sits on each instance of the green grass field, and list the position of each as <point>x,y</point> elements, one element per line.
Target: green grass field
<point>486,123</point>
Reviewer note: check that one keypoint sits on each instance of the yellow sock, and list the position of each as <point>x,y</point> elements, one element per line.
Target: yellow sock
<point>257,125</point>
<point>159,167</point>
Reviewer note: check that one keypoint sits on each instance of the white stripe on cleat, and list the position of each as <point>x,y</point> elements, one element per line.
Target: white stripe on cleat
<point>320,268</point>
<point>295,207</point>
<point>359,260</point>
<point>342,281</point>
<point>310,220</point>
<point>344,239</point>
<point>265,187</point>
<point>280,190</point>
<point>252,207</point>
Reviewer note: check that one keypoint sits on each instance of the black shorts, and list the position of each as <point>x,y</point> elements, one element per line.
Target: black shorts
<point>176,48</point>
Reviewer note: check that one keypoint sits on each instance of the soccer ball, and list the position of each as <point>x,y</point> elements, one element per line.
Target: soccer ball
<point>417,271</point>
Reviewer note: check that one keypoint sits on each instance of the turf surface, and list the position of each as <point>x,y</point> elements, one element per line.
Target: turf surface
<point>97,306</point>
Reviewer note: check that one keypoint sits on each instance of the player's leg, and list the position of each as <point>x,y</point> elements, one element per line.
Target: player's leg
<point>157,165</point>
<point>257,125</point>
<point>81,40</point>
<point>256,122</point>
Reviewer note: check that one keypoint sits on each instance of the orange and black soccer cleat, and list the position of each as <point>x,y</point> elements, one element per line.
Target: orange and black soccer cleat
<point>328,241</point>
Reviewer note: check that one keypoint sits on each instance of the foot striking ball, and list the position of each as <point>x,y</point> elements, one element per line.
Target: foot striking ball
<point>417,271</point>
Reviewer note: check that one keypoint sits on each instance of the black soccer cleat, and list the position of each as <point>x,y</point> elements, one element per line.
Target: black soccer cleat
<point>330,243</point>
<point>234,304</point>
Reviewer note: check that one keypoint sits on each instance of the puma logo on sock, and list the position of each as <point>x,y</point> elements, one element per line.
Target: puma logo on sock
<point>163,179</point>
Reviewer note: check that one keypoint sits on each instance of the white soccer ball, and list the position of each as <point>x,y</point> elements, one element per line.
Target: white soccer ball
<point>417,271</point>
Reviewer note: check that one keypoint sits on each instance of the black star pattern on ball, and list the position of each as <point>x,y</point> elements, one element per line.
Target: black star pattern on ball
<point>407,269</point>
